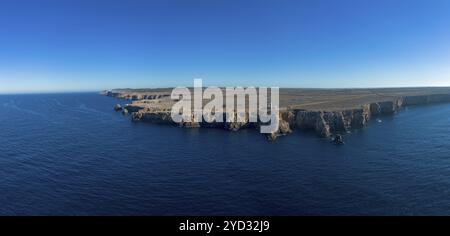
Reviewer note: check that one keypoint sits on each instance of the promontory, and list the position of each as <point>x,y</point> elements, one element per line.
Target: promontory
<point>328,112</point>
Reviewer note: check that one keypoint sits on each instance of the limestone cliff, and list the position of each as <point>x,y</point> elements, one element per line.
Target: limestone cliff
<point>327,123</point>
<point>155,108</point>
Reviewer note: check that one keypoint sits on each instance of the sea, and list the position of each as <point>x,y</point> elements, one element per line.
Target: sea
<point>72,154</point>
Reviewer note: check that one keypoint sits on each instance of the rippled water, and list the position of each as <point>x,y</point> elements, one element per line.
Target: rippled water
<point>71,154</point>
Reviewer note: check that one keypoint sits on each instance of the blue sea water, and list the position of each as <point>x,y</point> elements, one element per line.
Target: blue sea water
<point>71,154</point>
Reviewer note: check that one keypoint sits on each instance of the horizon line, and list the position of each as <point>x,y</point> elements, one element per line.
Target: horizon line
<point>31,92</point>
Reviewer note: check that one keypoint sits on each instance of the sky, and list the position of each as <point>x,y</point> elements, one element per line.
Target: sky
<point>81,45</point>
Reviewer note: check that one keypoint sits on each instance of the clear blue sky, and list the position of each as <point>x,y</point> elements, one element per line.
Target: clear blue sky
<point>71,45</point>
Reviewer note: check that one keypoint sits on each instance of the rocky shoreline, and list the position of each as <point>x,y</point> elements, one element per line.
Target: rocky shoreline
<point>328,123</point>
<point>154,107</point>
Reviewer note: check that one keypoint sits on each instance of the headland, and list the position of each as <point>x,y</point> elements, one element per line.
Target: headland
<point>328,112</point>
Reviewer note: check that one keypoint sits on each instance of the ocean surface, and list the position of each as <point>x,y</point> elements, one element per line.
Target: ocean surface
<point>71,154</point>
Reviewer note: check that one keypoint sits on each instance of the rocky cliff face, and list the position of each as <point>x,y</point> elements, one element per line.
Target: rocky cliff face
<point>324,123</point>
<point>327,123</point>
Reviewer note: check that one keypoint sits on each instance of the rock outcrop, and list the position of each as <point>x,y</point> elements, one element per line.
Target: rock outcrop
<point>117,107</point>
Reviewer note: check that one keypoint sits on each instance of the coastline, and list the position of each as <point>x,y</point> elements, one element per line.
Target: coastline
<point>304,109</point>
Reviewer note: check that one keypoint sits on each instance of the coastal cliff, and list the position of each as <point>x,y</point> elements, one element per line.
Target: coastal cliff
<point>328,123</point>
<point>155,108</point>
